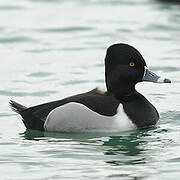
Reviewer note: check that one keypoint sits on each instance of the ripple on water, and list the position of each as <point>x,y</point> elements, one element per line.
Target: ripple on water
<point>47,1</point>
<point>158,95</point>
<point>99,81</point>
<point>161,27</point>
<point>70,29</point>
<point>6,114</point>
<point>11,7</point>
<point>98,65</point>
<point>41,50</point>
<point>124,30</point>
<point>177,51</point>
<point>21,94</point>
<point>77,72</point>
<point>75,82</point>
<point>73,49</point>
<point>165,68</point>
<point>21,81</point>
<point>155,37</point>
<point>174,160</point>
<point>40,74</point>
<point>171,116</point>
<point>44,50</point>
<point>18,39</point>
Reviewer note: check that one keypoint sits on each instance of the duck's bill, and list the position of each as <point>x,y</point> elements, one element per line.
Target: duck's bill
<point>152,77</point>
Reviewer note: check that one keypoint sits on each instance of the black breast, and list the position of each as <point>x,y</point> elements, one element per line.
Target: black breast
<point>142,113</point>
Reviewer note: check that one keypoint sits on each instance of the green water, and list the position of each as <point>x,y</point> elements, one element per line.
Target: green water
<point>50,49</point>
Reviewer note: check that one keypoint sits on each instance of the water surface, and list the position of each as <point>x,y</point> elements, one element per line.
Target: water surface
<point>52,49</point>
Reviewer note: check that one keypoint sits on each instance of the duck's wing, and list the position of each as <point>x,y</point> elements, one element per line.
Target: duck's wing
<point>96,100</point>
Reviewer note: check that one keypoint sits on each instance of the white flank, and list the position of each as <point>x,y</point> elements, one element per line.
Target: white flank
<point>76,117</point>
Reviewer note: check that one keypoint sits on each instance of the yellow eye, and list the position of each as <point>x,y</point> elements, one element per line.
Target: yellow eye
<point>131,64</point>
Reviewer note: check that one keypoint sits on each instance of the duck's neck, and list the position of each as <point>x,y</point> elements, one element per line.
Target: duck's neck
<point>124,92</point>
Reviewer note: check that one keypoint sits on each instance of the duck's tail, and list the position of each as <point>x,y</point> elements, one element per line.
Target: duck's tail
<point>30,121</point>
<point>16,107</point>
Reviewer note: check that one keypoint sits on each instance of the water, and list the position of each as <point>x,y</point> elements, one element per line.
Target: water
<point>52,49</point>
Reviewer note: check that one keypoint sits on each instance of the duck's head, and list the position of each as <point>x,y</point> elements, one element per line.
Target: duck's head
<point>124,67</point>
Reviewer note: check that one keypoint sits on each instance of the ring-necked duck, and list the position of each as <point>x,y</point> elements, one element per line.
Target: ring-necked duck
<point>119,108</point>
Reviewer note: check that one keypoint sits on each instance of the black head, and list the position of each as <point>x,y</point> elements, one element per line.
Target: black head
<point>124,67</point>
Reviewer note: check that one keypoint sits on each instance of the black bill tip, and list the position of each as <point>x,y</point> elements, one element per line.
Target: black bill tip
<point>167,81</point>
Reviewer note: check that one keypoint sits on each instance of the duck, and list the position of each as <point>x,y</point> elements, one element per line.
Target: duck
<point>119,108</point>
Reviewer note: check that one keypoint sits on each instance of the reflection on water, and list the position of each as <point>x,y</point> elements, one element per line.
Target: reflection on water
<point>32,135</point>
<point>127,145</point>
<point>127,148</point>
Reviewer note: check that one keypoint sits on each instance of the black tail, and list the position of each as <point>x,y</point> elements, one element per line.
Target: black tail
<point>30,121</point>
<point>16,107</point>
